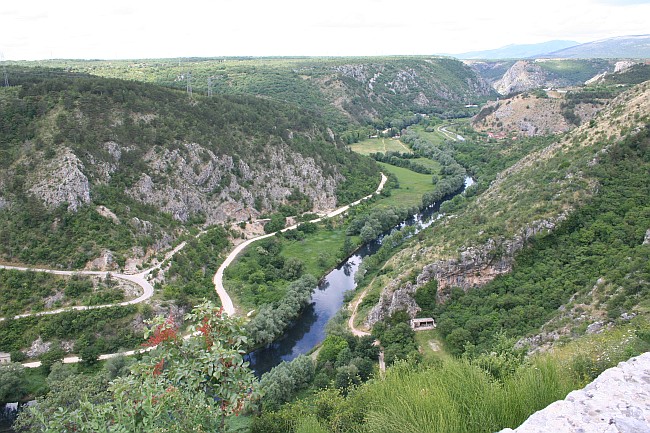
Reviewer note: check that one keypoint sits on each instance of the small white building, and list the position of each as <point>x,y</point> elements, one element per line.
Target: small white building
<point>423,324</point>
<point>5,358</point>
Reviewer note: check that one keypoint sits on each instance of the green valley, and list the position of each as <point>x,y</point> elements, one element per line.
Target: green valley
<point>291,216</point>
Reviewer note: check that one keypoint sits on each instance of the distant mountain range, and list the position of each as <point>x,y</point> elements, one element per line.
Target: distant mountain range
<point>636,47</point>
<point>515,51</point>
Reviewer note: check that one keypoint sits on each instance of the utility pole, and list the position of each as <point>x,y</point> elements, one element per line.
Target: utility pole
<point>189,83</point>
<point>4,69</point>
<point>209,86</point>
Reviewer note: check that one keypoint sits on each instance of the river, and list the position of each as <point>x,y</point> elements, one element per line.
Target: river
<point>309,329</point>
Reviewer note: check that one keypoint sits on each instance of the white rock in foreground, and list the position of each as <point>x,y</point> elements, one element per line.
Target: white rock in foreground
<point>618,401</point>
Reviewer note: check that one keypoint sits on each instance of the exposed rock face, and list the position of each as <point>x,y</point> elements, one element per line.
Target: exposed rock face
<point>618,401</point>
<point>526,75</point>
<point>646,240</point>
<point>399,298</point>
<point>62,181</point>
<point>196,180</point>
<point>475,267</point>
<point>529,115</point>
<point>522,76</point>
<point>105,262</point>
<point>38,348</point>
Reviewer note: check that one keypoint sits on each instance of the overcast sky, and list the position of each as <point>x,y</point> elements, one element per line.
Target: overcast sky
<point>126,29</point>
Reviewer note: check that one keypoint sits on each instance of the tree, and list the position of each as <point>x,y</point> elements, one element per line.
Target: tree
<point>293,268</point>
<point>183,384</point>
<point>12,382</point>
<point>331,347</point>
<point>277,223</point>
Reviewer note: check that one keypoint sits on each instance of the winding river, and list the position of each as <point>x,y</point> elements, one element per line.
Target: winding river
<point>309,329</point>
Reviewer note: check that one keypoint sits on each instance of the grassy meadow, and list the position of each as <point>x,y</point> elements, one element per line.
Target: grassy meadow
<point>381,144</point>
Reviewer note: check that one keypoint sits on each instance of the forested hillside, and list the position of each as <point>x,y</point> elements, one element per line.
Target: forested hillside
<point>90,163</point>
<point>346,91</point>
<point>587,191</point>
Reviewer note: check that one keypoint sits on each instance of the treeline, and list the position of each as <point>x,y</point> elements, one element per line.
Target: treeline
<point>189,278</point>
<point>402,160</point>
<point>105,329</point>
<point>370,224</point>
<point>271,320</point>
<point>596,253</point>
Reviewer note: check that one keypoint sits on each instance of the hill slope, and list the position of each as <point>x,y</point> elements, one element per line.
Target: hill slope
<point>347,91</point>
<point>622,47</point>
<point>518,51</point>
<point>595,170</point>
<point>89,163</point>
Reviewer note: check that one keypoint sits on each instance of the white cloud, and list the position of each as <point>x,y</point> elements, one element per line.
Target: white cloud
<point>35,29</point>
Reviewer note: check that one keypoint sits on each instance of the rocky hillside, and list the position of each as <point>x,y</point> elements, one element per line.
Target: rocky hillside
<point>543,112</point>
<point>154,160</point>
<point>528,74</point>
<point>539,113</point>
<point>534,196</point>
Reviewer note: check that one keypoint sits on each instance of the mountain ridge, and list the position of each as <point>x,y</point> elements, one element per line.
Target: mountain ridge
<point>619,47</point>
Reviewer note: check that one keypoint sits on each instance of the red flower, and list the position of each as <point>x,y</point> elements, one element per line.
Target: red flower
<point>158,368</point>
<point>164,332</point>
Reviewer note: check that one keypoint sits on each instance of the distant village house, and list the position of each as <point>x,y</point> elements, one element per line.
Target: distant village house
<point>423,324</point>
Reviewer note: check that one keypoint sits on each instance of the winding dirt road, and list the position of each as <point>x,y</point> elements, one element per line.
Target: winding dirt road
<point>141,279</point>
<point>226,302</point>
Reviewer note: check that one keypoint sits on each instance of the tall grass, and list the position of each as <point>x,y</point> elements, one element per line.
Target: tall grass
<point>459,397</point>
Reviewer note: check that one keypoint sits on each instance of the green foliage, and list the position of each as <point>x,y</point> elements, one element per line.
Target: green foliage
<point>283,381</point>
<point>12,382</point>
<point>425,297</point>
<point>277,223</point>
<point>272,319</point>
<point>189,278</point>
<point>181,385</point>
<point>112,323</point>
<point>601,240</point>
<point>67,389</point>
<point>455,396</point>
<point>330,348</point>
<point>404,160</point>
<point>22,292</point>
<point>317,84</point>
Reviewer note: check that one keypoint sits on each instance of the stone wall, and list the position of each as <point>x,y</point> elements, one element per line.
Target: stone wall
<point>618,401</point>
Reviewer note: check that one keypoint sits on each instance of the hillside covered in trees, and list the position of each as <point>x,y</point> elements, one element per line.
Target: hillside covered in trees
<point>117,164</point>
<point>346,91</point>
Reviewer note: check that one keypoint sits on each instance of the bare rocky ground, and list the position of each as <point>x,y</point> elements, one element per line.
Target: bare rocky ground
<point>618,401</point>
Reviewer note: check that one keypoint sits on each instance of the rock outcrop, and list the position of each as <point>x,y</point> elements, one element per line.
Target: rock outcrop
<point>62,180</point>
<point>618,401</point>
<point>521,76</point>
<point>195,180</point>
<point>475,267</point>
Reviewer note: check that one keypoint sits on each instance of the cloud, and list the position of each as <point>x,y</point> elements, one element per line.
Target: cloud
<point>624,2</point>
